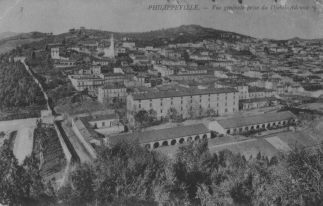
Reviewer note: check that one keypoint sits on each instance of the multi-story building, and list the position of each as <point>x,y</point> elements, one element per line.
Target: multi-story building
<point>187,102</point>
<point>163,70</point>
<point>259,92</point>
<point>111,93</point>
<point>113,78</point>
<point>90,82</point>
<point>243,89</point>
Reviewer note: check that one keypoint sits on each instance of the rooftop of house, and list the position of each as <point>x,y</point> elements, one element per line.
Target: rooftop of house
<point>243,121</point>
<point>162,134</point>
<point>259,89</point>
<point>94,118</point>
<point>265,99</point>
<point>114,86</point>
<point>86,130</point>
<point>86,76</point>
<point>182,92</point>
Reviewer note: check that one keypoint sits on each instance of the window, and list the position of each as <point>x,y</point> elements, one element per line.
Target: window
<point>103,124</point>
<point>139,106</point>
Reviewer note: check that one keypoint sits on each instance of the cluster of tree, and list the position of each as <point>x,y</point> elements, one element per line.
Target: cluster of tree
<point>41,62</point>
<point>128,174</point>
<point>17,88</point>
<point>60,92</point>
<point>22,184</point>
<point>195,177</point>
<point>146,118</point>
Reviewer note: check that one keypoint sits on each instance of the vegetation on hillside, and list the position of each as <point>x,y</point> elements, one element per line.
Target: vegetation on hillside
<point>128,174</point>
<point>17,88</point>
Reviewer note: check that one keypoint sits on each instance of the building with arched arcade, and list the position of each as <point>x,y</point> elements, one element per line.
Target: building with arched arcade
<point>164,137</point>
<point>243,124</point>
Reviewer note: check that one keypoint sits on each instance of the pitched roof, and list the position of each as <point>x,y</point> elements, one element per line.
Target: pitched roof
<point>264,99</point>
<point>162,134</point>
<point>238,122</point>
<point>181,93</point>
<point>259,89</point>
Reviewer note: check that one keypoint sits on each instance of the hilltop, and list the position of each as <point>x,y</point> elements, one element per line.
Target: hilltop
<point>10,40</point>
<point>181,34</point>
<point>7,34</point>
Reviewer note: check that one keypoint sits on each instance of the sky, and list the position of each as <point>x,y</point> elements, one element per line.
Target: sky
<point>58,16</point>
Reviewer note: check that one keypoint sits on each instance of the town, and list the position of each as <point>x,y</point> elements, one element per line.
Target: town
<point>161,90</point>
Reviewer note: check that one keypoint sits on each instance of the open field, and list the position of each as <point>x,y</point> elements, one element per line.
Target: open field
<point>23,141</point>
<point>23,145</point>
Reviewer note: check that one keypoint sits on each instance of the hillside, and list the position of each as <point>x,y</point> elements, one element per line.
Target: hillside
<point>11,42</point>
<point>181,34</point>
<point>8,34</point>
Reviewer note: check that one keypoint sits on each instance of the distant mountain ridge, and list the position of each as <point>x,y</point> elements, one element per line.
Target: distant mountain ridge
<point>7,34</point>
<point>181,34</point>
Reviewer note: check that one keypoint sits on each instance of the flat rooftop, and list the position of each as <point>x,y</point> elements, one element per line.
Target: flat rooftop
<point>182,93</point>
<point>162,134</point>
<point>239,122</point>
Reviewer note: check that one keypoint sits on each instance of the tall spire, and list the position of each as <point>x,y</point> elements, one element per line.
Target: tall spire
<point>109,52</point>
<point>112,46</point>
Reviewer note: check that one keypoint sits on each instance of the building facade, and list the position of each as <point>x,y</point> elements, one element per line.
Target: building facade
<point>188,103</point>
<point>111,93</point>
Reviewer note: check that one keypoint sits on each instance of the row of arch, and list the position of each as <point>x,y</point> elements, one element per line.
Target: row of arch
<point>258,127</point>
<point>172,142</point>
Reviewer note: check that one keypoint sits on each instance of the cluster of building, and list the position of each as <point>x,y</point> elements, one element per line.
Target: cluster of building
<point>196,79</point>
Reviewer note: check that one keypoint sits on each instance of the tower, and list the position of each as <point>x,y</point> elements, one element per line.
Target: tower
<point>109,52</point>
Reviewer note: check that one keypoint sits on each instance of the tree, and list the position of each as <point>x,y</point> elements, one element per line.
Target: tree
<point>172,113</point>
<point>142,116</point>
<point>22,185</point>
<point>80,188</point>
<point>210,112</point>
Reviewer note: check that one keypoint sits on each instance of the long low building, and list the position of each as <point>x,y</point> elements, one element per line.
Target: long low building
<point>238,125</point>
<point>164,137</point>
<point>188,102</point>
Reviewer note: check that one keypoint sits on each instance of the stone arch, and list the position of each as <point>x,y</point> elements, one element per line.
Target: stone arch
<point>189,139</point>
<point>156,145</point>
<point>204,136</point>
<point>165,143</point>
<point>147,146</point>
<point>173,142</point>
<point>197,137</point>
<point>181,140</point>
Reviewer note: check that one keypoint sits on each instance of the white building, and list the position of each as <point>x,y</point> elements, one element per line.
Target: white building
<point>188,103</point>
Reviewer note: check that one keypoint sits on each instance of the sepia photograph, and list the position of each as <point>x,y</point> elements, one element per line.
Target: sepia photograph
<point>161,102</point>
